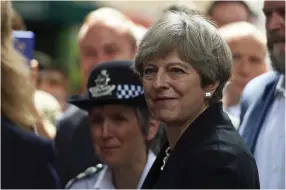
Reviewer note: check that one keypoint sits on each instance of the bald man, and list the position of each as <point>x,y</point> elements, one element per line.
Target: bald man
<point>248,47</point>
<point>226,12</point>
<point>105,35</point>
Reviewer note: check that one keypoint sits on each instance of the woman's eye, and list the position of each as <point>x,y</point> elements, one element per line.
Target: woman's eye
<point>96,120</point>
<point>117,120</point>
<point>177,70</point>
<point>148,71</point>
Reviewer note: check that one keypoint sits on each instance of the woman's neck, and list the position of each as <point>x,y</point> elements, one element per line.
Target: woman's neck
<point>175,131</point>
<point>128,176</point>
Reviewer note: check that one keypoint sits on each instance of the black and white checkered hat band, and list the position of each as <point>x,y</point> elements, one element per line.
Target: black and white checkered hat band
<point>127,91</point>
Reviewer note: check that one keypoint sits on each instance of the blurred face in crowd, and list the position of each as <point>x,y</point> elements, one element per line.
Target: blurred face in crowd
<point>171,88</point>
<point>248,61</point>
<point>53,84</point>
<point>100,42</point>
<point>227,12</point>
<point>116,134</point>
<point>275,27</point>
<point>56,91</point>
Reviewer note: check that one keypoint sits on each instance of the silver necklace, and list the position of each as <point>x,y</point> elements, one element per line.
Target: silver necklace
<point>168,152</point>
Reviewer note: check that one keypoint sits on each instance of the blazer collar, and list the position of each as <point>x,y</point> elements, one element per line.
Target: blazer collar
<point>258,111</point>
<point>203,125</point>
<point>193,135</point>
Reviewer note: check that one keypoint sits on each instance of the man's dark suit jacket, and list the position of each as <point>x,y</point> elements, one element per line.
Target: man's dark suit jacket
<point>209,155</point>
<point>74,149</point>
<point>27,160</point>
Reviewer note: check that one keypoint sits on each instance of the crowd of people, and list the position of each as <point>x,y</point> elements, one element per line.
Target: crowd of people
<point>190,102</point>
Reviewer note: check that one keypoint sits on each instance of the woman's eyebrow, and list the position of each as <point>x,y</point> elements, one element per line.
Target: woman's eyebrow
<point>178,63</point>
<point>148,64</point>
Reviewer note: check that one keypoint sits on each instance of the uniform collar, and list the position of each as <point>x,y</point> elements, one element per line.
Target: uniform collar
<point>150,161</point>
<point>105,177</point>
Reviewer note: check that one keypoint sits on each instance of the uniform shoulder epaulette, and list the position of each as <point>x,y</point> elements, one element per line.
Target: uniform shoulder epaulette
<point>88,172</point>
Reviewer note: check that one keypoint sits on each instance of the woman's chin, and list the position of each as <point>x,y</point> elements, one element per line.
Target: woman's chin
<point>165,118</point>
<point>111,162</point>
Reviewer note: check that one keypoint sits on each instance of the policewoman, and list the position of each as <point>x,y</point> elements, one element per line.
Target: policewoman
<point>121,128</point>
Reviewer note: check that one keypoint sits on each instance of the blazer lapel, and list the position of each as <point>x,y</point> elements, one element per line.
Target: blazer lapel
<point>255,117</point>
<point>155,171</point>
<point>191,138</point>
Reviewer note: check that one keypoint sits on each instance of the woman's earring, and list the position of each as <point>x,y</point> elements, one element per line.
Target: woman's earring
<point>208,95</point>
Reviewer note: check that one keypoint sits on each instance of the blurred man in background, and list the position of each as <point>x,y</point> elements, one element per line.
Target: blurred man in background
<point>248,47</point>
<point>226,12</point>
<point>263,105</point>
<point>105,35</point>
<point>54,81</point>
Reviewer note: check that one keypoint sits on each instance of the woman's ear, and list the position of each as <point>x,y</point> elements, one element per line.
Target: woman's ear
<point>211,88</point>
<point>153,129</point>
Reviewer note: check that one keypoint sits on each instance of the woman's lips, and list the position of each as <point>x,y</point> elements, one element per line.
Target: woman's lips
<point>164,99</point>
<point>109,148</point>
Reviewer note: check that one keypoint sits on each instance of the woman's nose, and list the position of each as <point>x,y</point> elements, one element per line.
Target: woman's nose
<point>106,130</point>
<point>161,81</point>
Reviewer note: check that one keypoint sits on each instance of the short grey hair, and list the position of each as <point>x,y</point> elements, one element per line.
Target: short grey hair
<point>197,41</point>
<point>144,117</point>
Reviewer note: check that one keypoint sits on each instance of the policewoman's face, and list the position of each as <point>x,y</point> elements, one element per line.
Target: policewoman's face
<point>116,134</point>
<point>172,89</point>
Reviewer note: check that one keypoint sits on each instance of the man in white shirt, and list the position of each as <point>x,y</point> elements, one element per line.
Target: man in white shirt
<point>248,48</point>
<point>263,105</point>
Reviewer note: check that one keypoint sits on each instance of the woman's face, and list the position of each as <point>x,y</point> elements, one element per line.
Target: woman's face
<point>172,89</point>
<point>116,134</point>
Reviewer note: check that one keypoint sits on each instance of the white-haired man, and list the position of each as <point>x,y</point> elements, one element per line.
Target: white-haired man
<point>263,105</point>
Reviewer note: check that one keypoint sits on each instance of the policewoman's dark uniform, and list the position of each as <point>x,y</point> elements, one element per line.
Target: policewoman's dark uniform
<point>209,155</point>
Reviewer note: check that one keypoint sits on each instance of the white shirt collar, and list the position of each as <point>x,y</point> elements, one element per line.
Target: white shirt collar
<point>150,161</point>
<point>234,110</point>
<point>280,87</point>
<point>104,180</point>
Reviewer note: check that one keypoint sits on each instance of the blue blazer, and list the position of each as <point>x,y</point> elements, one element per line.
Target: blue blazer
<point>27,160</point>
<point>257,97</point>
